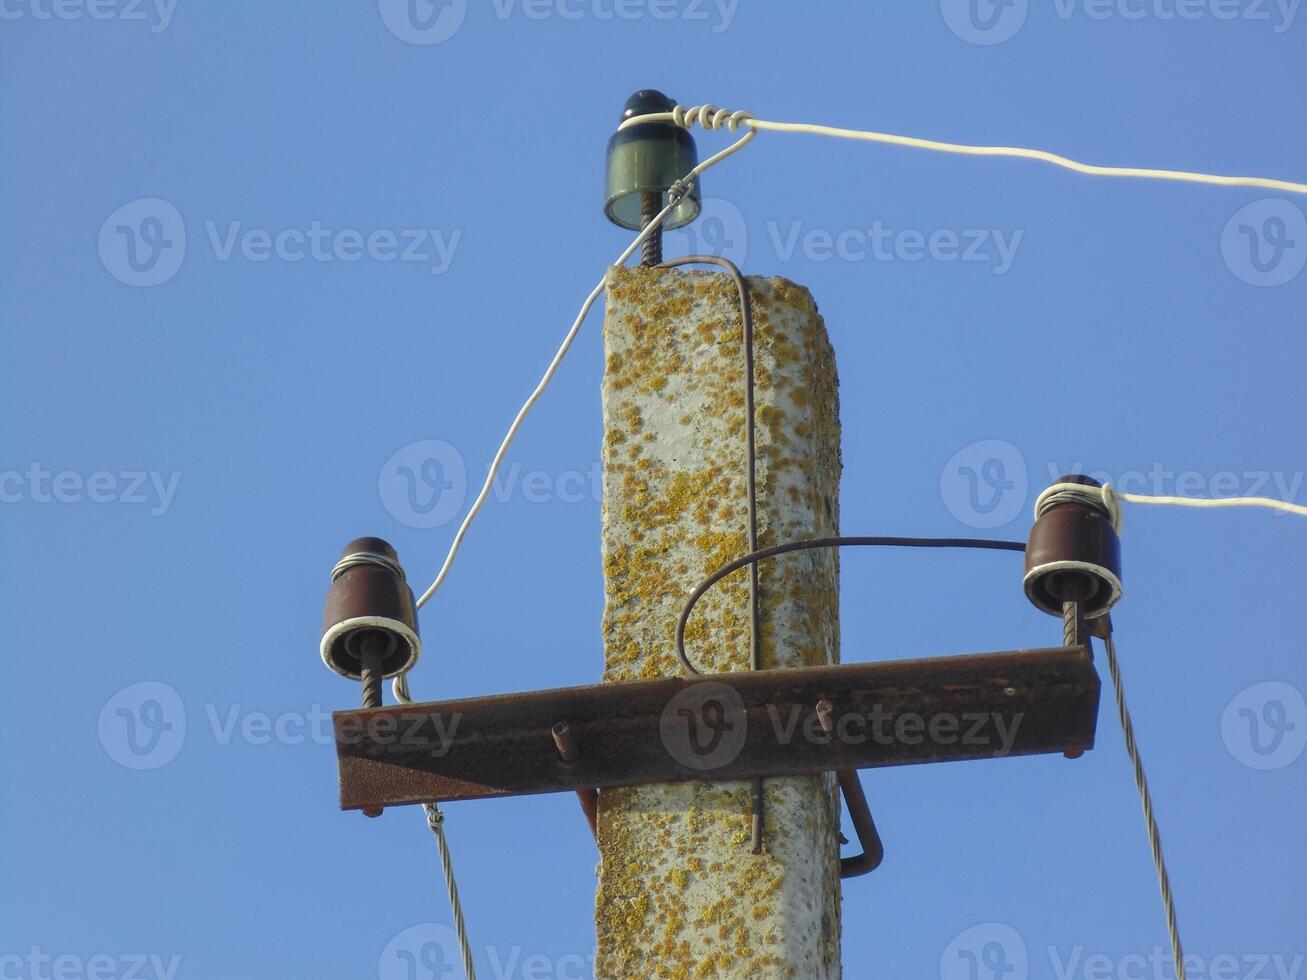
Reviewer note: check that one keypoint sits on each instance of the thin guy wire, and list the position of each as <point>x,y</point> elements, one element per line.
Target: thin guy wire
<point>1146,799</point>
<point>783,549</point>
<point>436,821</point>
<point>758,821</point>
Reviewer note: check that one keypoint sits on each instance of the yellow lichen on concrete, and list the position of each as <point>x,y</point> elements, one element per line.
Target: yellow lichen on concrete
<point>679,893</point>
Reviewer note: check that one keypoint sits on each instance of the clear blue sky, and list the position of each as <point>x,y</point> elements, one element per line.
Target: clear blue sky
<point>1129,330</point>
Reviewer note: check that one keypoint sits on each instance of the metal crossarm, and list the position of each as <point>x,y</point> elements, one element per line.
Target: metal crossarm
<point>719,727</point>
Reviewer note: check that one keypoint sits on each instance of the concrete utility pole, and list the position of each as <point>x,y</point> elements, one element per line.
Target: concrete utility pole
<point>693,881</point>
<point>680,893</point>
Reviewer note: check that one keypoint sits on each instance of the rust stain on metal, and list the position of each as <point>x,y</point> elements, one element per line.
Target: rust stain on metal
<point>1023,703</point>
<point>873,851</point>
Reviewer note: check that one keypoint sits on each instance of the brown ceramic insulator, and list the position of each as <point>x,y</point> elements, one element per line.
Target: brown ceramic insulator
<point>1074,555</point>
<point>369,597</point>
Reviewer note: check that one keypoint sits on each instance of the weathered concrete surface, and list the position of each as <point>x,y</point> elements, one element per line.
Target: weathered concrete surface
<point>680,894</point>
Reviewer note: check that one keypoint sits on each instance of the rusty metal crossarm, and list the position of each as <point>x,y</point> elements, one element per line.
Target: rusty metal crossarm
<point>721,727</point>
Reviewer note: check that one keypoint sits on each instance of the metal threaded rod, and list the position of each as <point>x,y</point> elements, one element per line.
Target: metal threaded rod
<point>374,645</point>
<point>371,649</point>
<point>1071,624</point>
<point>651,252</point>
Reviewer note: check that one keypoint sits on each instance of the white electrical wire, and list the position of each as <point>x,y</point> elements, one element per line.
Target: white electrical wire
<point>1268,502</point>
<point>1108,496</point>
<point>512,431</point>
<point>711,117</point>
<point>678,192</point>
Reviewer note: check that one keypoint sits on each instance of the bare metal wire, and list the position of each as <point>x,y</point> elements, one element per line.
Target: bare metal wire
<point>1146,799</point>
<point>436,821</point>
<point>763,554</point>
<point>757,799</point>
